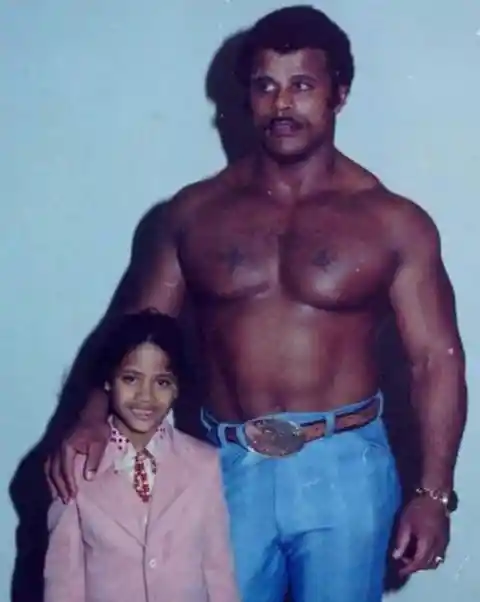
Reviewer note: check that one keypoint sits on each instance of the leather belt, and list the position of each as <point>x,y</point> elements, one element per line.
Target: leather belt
<point>318,429</point>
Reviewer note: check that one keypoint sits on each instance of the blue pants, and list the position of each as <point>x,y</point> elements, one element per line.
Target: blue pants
<point>317,522</point>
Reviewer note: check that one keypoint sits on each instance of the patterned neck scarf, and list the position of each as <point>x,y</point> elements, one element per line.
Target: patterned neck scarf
<point>138,463</point>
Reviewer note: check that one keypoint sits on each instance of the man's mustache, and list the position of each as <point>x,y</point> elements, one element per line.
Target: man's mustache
<point>283,121</point>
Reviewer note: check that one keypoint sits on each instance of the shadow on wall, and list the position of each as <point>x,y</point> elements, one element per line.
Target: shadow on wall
<point>229,98</point>
<point>28,489</point>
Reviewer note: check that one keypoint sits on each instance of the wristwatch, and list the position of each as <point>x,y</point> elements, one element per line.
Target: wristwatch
<point>449,500</point>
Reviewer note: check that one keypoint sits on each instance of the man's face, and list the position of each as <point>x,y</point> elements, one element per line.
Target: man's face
<point>293,102</point>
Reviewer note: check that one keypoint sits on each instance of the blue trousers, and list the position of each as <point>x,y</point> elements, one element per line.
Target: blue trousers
<point>317,522</point>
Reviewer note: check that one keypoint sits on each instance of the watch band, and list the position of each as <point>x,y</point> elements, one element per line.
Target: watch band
<point>447,499</point>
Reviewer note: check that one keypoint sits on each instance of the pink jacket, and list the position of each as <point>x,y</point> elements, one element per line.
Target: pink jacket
<point>103,549</point>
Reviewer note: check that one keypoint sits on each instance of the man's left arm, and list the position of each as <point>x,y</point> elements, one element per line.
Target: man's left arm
<point>423,301</point>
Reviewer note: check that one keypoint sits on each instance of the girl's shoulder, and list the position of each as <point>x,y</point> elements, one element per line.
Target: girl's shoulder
<point>194,450</point>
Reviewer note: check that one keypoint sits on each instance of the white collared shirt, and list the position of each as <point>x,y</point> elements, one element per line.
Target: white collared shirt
<point>125,461</point>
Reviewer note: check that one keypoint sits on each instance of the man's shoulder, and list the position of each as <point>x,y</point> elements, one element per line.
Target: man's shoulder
<point>403,214</point>
<point>189,198</point>
<point>394,208</point>
<point>407,226</point>
<point>173,213</point>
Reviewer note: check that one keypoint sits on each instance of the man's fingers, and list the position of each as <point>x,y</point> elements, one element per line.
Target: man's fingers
<point>47,470</point>
<point>60,468</point>
<point>57,480</point>
<point>420,560</point>
<point>436,554</point>
<point>403,540</point>
<point>67,461</point>
<point>94,455</point>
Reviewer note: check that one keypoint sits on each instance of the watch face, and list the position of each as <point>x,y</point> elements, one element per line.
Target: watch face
<point>452,504</point>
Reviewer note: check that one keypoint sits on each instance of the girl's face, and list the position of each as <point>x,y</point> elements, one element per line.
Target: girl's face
<point>142,392</point>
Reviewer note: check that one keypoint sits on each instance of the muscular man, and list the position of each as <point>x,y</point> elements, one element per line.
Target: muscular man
<point>291,258</point>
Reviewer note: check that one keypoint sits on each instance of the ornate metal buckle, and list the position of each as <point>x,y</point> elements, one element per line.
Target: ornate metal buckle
<point>273,437</point>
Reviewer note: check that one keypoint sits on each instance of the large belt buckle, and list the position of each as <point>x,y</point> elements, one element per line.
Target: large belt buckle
<point>273,437</point>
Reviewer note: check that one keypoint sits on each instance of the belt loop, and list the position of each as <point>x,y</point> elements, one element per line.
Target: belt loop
<point>220,432</point>
<point>215,430</point>
<point>381,403</point>
<point>205,420</point>
<point>330,419</point>
<point>240,432</point>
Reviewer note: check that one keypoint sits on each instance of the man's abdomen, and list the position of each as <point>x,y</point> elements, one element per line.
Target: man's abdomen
<point>271,357</point>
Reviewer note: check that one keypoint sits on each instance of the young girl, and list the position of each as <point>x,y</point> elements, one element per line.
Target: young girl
<point>152,526</point>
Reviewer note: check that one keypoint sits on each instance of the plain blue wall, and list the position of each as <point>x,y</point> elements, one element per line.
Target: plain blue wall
<point>103,112</point>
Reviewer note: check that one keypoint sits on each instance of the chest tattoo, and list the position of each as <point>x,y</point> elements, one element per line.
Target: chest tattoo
<point>232,258</point>
<point>323,258</point>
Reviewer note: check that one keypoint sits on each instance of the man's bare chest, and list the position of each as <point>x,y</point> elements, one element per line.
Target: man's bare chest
<point>316,253</point>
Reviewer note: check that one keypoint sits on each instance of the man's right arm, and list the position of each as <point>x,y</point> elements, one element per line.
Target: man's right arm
<point>156,281</point>
<point>156,276</point>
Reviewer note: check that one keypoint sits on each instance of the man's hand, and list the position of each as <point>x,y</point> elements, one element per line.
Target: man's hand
<point>424,528</point>
<point>87,439</point>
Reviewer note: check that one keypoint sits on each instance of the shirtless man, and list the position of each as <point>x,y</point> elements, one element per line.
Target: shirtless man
<point>291,259</point>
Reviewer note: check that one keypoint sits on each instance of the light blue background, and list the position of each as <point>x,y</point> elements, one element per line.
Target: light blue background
<point>103,112</point>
